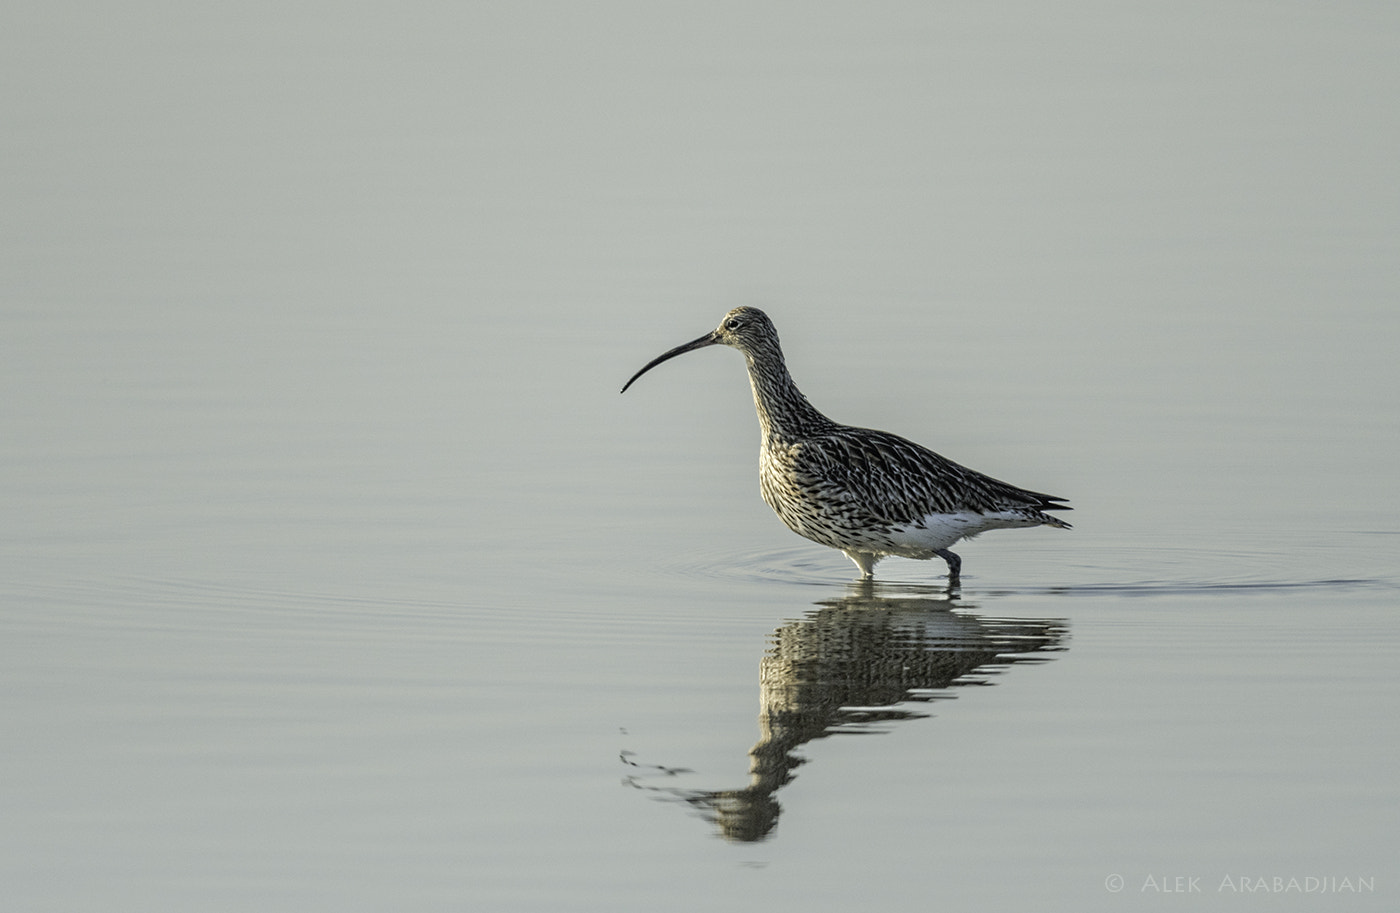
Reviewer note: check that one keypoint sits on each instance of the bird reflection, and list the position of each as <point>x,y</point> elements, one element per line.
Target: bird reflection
<point>857,664</point>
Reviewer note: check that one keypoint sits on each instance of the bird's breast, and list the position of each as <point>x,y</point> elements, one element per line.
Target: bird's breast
<point>810,505</point>
<point>777,480</point>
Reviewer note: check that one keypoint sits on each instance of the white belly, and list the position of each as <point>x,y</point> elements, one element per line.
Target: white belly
<point>922,538</point>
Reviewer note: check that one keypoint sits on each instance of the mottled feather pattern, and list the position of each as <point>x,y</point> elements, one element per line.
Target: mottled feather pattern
<point>901,482</point>
<point>861,477</point>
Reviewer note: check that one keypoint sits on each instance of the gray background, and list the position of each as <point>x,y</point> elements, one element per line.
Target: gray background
<point>335,574</point>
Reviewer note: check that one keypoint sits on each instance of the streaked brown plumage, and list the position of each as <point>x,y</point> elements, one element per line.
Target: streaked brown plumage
<point>869,493</point>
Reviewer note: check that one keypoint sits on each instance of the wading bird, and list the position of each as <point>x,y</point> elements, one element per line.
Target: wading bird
<point>868,493</point>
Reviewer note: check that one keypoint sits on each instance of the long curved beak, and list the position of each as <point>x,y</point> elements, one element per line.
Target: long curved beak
<point>709,339</point>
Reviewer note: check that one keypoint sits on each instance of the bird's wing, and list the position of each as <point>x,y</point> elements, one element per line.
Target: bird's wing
<point>899,481</point>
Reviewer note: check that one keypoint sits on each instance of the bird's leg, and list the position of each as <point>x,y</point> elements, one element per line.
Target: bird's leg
<point>954,566</point>
<point>865,561</point>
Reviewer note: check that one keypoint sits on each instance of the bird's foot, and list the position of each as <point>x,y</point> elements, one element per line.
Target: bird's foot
<point>954,569</point>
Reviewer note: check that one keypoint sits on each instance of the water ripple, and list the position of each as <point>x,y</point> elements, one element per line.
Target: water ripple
<point>1112,574</point>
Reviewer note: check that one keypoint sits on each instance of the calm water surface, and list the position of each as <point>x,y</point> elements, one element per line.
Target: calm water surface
<point>337,574</point>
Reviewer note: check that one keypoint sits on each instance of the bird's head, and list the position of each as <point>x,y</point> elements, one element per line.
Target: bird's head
<point>747,329</point>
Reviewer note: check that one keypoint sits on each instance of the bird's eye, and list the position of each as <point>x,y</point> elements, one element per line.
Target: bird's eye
<point>732,323</point>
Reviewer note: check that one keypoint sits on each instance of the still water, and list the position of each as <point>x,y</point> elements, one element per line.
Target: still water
<point>335,573</point>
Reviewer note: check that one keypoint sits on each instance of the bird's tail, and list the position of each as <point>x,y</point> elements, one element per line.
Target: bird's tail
<point>1050,502</point>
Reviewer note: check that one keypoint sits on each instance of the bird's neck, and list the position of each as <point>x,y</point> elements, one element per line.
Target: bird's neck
<point>783,412</point>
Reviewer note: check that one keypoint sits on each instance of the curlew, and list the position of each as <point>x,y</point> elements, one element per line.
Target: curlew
<point>869,493</point>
